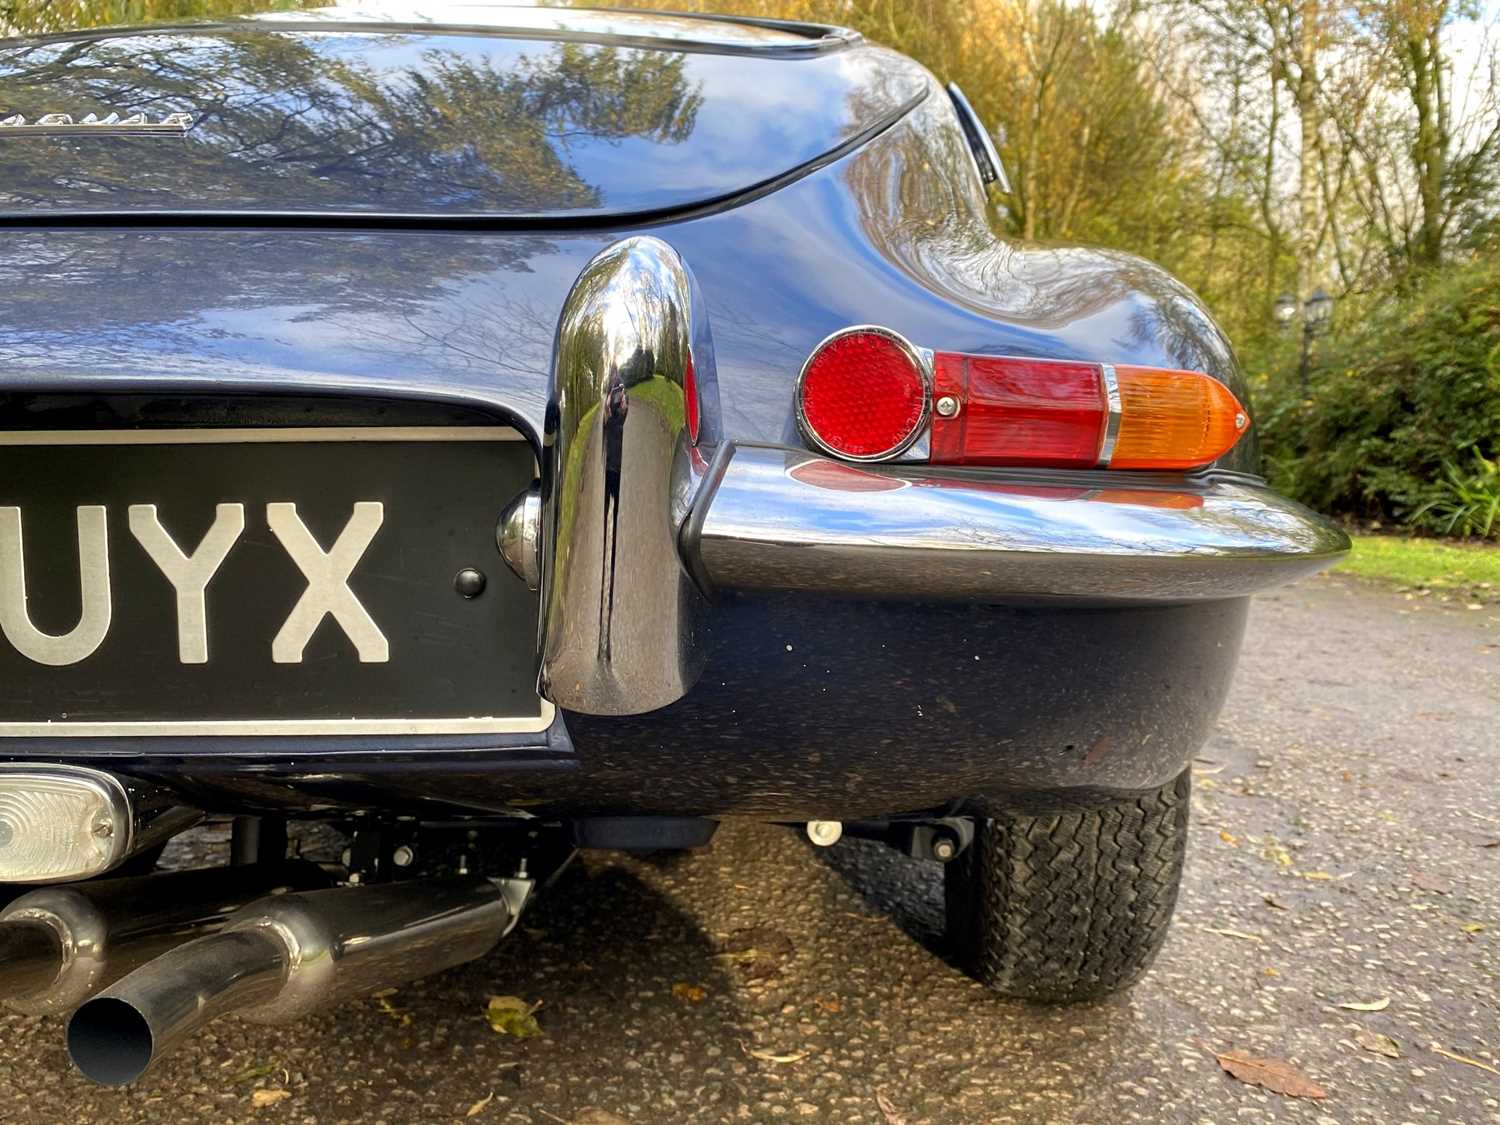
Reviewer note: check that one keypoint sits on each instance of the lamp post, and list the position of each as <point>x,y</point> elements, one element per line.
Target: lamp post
<point>1317,311</point>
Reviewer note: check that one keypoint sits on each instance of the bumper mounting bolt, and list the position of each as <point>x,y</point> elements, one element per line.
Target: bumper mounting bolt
<point>403,856</point>
<point>469,582</point>
<point>824,833</point>
<point>946,406</point>
<point>944,849</point>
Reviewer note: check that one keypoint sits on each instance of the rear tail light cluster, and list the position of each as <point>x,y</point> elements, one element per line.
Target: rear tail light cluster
<point>866,394</point>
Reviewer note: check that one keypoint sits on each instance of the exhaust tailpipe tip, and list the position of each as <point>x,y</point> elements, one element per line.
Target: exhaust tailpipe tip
<point>280,958</point>
<point>110,1041</point>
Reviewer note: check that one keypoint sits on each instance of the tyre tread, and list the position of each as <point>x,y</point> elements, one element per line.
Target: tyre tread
<point>1069,906</point>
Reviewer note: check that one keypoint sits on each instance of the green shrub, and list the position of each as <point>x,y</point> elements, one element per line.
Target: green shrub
<point>1466,504</point>
<point>1393,404</point>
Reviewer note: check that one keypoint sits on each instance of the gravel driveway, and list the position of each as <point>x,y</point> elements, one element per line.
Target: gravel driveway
<point>1346,850</point>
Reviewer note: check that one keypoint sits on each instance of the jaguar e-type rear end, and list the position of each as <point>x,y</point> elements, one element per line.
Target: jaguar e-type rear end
<point>580,427</point>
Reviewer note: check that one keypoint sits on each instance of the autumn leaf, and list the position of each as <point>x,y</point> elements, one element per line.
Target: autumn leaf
<point>510,1015</point>
<point>479,1107</point>
<point>888,1109</point>
<point>692,993</point>
<point>1378,1043</point>
<point>1228,839</point>
<point>250,1075</point>
<point>1240,934</point>
<point>596,1116</point>
<point>829,1004</point>
<point>1368,1005</point>
<point>262,1098</point>
<point>1425,882</point>
<point>1456,1057</point>
<point>1276,1075</point>
<point>771,1056</point>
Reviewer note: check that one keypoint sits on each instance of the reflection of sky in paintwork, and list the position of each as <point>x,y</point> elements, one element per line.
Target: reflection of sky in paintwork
<point>739,120</point>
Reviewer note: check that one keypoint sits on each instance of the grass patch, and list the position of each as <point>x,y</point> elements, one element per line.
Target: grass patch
<point>1470,569</point>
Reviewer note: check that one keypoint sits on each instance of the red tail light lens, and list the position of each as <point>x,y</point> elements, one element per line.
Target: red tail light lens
<point>993,410</point>
<point>1017,411</point>
<point>863,394</point>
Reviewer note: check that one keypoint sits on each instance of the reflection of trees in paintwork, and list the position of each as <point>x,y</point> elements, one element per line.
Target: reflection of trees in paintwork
<point>476,122</point>
<point>282,123</point>
<point>40,17</point>
<point>929,218</point>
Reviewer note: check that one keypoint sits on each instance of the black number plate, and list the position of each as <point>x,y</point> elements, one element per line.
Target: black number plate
<point>262,582</point>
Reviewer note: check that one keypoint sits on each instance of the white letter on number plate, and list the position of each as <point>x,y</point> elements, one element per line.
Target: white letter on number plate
<point>189,575</point>
<point>327,583</point>
<point>93,573</point>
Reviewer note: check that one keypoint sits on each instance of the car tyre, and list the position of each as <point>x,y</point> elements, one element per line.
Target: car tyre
<point>1069,906</point>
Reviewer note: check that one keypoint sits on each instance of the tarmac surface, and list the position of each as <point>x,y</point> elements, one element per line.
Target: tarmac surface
<point>1345,851</point>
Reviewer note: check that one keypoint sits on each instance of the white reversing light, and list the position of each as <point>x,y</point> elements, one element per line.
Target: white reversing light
<point>59,823</point>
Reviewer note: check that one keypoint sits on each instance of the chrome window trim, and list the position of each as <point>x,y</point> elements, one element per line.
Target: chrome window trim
<point>1111,434</point>
<point>981,145</point>
<point>921,359</point>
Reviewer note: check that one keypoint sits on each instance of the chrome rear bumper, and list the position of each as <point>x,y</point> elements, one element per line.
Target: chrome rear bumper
<point>782,519</point>
<point>642,511</point>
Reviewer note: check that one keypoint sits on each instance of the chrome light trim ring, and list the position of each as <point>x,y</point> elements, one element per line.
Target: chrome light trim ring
<point>920,358</point>
<point>1111,433</point>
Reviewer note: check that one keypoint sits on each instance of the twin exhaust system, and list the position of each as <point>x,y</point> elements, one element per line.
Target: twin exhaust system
<point>249,940</point>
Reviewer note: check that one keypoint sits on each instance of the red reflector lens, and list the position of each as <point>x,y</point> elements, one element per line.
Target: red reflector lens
<point>1017,412</point>
<point>863,394</point>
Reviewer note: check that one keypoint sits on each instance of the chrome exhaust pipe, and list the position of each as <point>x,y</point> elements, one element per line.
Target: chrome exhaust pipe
<point>60,945</point>
<point>280,958</point>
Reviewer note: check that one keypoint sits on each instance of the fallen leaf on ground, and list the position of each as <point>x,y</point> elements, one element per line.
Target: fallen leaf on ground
<point>593,1116</point>
<point>249,1075</point>
<point>261,1098</point>
<point>757,941</point>
<point>478,1107</point>
<point>1472,928</point>
<point>1378,1043</point>
<point>771,1056</point>
<point>1319,875</point>
<point>1241,934</point>
<point>1465,1060</point>
<point>1278,854</point>
<point>1270,901</point>
<point>829,1004</point>
<point>1368,1005</point>
<point>1491,844</point>
<point>401,1016</point>
<point>892,1117</point>
<point>692,993</point>
<point>510,1015</point>
<point>1425,882</point>
<point>1228,839</point>
<point>757,951</point>
<point>1276,1075</point>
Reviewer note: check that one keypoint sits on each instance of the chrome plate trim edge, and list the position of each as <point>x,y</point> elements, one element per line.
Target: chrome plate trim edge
<point>264,435</point>
<point>1111,433</point>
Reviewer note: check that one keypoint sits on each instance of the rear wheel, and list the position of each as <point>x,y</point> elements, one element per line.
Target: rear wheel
<point>1069,906</point>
